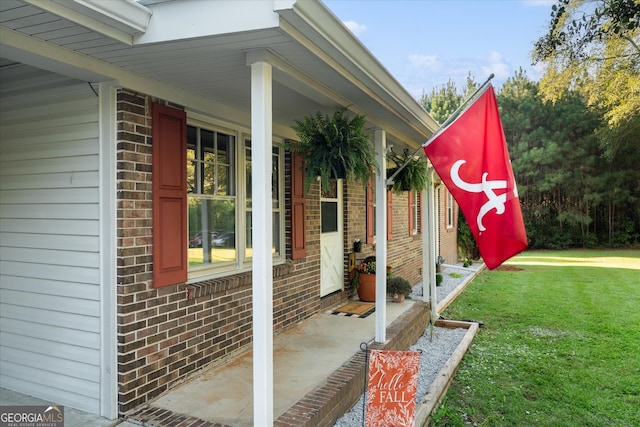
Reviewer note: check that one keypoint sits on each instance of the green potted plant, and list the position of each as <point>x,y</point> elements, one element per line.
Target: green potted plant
<point>364,279</point>
<point>399,288</point>
<point>334,147</point>
<point>439,279</point>
<point>412,177</point>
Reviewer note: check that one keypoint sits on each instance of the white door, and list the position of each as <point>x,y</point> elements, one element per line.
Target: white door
<point>331,240</point>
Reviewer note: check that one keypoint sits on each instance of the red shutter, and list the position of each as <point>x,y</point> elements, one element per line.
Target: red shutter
<point>169,196</point>
<point>410,213</point>
<point>389,216</point>
<point>298,204</point>
<point>370,213</point>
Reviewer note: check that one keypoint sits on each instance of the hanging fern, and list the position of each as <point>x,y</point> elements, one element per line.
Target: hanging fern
<point>334,147</point>
<point>412,177</point>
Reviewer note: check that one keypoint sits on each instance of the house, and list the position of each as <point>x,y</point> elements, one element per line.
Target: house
<point>137,235</point>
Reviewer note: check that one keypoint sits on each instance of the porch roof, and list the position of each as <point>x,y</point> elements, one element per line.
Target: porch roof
<point>199,51</point>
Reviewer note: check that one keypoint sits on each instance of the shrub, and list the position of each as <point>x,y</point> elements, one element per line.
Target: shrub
<point>398,285</point>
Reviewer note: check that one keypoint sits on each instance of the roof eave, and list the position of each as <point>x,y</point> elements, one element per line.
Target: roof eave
<point>118,19</point>
<point>313,19</point>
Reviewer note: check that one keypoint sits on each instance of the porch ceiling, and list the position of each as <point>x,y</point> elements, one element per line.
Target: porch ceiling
<point>318,64</point>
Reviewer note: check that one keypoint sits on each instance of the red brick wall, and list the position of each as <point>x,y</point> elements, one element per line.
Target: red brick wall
<point>404,250</point>
<point>168,333</point>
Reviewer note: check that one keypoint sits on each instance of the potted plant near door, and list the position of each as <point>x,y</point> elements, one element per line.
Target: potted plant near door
<point>334,147</point>
<point>399,288</point>
<point>364,279</point>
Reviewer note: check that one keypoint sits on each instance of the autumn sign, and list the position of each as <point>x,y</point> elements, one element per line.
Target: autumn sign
<point>391,392</point>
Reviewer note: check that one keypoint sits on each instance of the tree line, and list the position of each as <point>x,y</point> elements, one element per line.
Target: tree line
<point>575,191</point>
<point>574,136</point>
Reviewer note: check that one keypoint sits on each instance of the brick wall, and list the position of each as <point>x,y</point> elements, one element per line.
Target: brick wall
<point>166,334</point>
<point>355,226</point>
<point>404,250</point>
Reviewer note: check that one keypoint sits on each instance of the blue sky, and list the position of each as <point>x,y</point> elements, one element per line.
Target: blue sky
<point>425,43</point>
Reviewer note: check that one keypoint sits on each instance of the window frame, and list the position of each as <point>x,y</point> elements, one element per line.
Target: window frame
<point>243,262</point>
<point>279,254</point>
<point>450,210</point>
<point>415,213</point>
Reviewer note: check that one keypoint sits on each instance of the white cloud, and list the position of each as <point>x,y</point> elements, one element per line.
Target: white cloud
<point>497,65</point>
<point>428,62</point>
<point>356,29</point>
<point>545,3</point>
<point>421,73</point>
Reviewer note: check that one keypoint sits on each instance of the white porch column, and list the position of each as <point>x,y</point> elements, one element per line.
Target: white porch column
<point>262,232</point>
<point>380,144</point>
<point>429,245</point>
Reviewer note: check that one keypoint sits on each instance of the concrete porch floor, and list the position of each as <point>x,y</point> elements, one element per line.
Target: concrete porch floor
<point>318,371</point>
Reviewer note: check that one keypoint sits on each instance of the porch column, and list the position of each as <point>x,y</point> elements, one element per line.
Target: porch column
<point>380,144</point>
<point>429,242</point>
<point>262,234</point>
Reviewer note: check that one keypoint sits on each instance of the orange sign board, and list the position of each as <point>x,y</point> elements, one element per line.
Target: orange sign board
<point>391,390</point>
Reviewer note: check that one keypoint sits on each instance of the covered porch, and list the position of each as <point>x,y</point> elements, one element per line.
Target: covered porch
<point>319,374</point>
<point>254,76</point>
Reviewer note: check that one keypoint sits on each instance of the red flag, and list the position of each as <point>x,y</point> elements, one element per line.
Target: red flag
<point>471,158</point>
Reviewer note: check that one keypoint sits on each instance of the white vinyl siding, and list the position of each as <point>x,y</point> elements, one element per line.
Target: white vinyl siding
<point>50,309</point>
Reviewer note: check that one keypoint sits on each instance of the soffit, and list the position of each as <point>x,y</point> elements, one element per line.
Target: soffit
<point>311,73</point>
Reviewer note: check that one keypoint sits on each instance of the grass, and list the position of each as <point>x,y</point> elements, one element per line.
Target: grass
<point>560,345</point>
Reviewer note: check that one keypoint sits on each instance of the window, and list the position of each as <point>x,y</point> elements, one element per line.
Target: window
<point>371,213</point>
<point>415,214</point>
<point>450,210</point>
<point>276,202</point>
<point>211,200</point>
<point>219,201</point>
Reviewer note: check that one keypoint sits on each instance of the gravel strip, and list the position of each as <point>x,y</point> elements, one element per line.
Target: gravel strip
<point>435,353</point>
<point>437,345</point>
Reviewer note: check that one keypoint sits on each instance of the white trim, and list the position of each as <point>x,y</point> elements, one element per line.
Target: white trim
<point>205,19</point>
<point>108,236</point>
<point>380,144</point>
<point>262,275</point>
<point>450,211</point>
<point>429,242</point>
<point>117,19</point>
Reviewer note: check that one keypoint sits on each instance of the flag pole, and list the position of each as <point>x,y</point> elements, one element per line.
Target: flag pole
<point>446,123</point>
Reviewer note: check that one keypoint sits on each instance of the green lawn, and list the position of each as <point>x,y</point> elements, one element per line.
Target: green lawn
<point>560,345</point>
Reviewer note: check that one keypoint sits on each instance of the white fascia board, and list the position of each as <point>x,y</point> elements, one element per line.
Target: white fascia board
<point>117,19</point>
<point>186,19</point>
